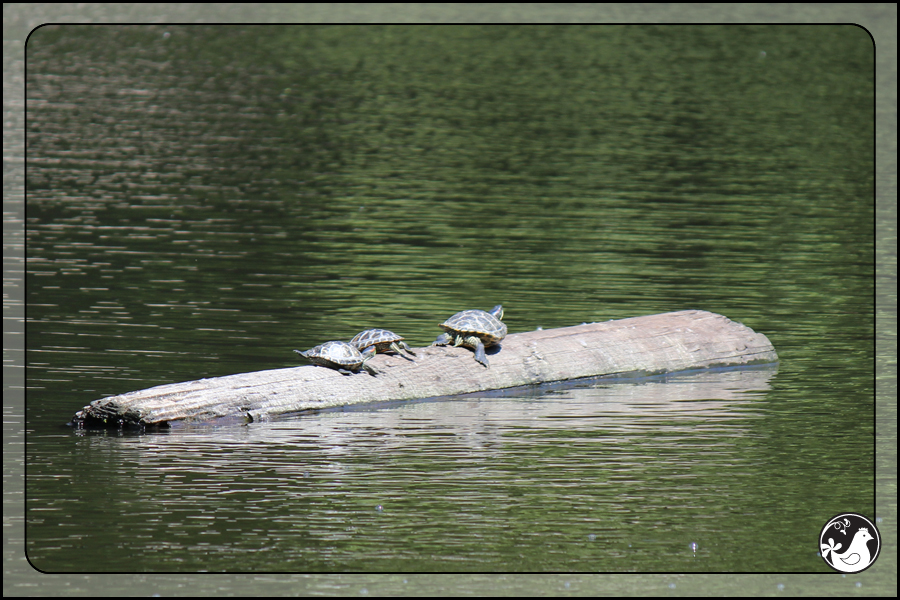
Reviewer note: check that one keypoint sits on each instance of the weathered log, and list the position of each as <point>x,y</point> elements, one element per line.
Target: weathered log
<point>638,346</point>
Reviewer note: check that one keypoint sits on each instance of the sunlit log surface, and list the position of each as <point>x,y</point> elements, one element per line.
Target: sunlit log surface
<point>638,346</point>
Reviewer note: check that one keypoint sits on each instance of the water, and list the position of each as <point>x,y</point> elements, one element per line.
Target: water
<point>476,484</point>
<point>203,200</point>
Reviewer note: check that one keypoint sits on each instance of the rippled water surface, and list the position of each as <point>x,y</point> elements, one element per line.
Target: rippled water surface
<point>202,200</point>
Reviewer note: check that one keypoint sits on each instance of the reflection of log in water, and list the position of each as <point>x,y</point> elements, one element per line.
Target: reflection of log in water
<point>638,346</point>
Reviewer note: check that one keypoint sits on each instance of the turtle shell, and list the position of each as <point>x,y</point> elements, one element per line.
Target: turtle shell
<point>336,355</point>
<point>488,327</point>
<point>373,341</point>
<point>380,338</point>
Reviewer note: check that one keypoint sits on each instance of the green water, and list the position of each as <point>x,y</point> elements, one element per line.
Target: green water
<point>202,200</point>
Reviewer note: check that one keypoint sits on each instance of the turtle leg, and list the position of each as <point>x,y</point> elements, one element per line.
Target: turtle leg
<point>396,349</point>
<point>442,340</point>
<point>344,371</point>
<point>479,351</point>
<point>405,346</point>
<point>369,368</point>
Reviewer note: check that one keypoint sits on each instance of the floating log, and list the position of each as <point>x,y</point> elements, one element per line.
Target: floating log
<point>637,346</point>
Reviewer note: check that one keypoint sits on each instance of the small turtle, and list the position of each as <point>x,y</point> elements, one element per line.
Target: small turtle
<point>372,341</point>
<point>474,329</point>
<point>341,356</point>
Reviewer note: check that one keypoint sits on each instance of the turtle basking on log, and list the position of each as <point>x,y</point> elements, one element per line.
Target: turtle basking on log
<point>344,358</point>
<point>474,329</point>
<point>375,341</point>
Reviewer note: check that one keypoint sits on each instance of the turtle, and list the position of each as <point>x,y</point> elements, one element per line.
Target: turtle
<point>474,329</point>
<point>372,341</point>
<point>345,358</point>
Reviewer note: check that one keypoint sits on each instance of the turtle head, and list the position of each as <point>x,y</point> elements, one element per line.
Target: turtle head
<point>497,312</point>
<point>309,353</point>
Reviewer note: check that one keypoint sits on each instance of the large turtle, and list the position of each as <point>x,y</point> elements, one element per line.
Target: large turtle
<point>341,356</point>
<point>372,341</point>
<point>474,329</point>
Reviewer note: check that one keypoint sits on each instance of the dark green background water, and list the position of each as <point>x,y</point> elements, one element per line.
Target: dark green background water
<point>201,200</point>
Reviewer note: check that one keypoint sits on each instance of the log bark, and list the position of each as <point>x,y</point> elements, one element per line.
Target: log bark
<point>637,346</point>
